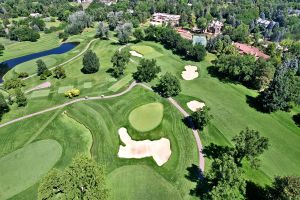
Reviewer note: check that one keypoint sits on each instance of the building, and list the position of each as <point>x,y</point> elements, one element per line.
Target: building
<point>160,18</point>
<point>263,22</point>
<point>108,2</point>
<point>215,27</point>
<point>250,50</point>
<point>35,15</point>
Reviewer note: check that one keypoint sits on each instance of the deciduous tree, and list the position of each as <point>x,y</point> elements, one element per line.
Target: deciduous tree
<point>147,70</point>
<point>169,85</point>
<point>201,118</point>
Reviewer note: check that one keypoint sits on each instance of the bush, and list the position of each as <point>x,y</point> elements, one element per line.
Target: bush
<point>23,75</point>
<point>72,93</point>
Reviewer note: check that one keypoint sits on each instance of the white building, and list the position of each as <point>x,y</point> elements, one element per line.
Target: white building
<point>35,15</point>
<point>215,27</point>
<point>159,18</point>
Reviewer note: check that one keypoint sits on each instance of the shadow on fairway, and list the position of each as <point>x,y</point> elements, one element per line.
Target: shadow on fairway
<point>296,119</point>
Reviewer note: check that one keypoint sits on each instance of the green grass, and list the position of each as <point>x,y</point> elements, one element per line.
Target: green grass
<point>146,117</point>
<point>140,182</point>
<point>30,66</point>
<point>121,83</point>
<point>87,85</point>
<point>40,93</point>
<point>63,89</point>
<point>24,167</point>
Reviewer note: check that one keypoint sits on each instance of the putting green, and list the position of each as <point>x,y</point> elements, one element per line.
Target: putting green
<point>140,182</point>
<point>24,167</point>
<point>146,51</point>
<point>146,117</point>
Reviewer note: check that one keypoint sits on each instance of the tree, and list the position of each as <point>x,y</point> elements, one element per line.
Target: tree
<point>13,83</point>
<point>139,34</point>
<point>240,33</point>
<point>124,32</point>
<point>102,30</point>
<point>59,72</point>
<point>249,145</point>
<point>4,108</point>
<point>83,179</point>
<point>169,85</point>
<point>77,22</point>
<point>2,48</point>
<point>72,93</point>
<point>197,52</point>
<point>225,180</point>
<point>90,62</point>
<point>278,95</point>
<point>41,67</point>
<point>285,188</point>
<point>21,100</point>
<point>201,118</point>
<point>120,59</point>
<point>202,23</point>
<point>147,70</point>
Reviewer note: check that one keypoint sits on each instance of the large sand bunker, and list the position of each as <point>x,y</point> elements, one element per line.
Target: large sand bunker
<point>195,105</point>
<point>160,149</point>
<point>190,72</point>
<point>136,54</point>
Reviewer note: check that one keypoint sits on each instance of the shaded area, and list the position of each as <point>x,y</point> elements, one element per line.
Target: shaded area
<point>296,119</point>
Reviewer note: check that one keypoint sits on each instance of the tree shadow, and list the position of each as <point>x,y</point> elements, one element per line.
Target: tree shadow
<point>256,192</point>
<point>196,175</point>
<point>296,119</point>
<point>188,122</point>
<point>213,151</point>
<point>254,102</point>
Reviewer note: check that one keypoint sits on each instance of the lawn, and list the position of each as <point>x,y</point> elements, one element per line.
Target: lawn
<point>232,113</point>
<point>24,167</point>
<point>72,126</point>
<point>146,117</point>
<point>91,126</point>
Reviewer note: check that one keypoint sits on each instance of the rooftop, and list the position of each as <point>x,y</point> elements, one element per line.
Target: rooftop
<point>250,50</point>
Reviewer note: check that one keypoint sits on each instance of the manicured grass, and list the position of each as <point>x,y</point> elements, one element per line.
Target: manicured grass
<point>146,51</point>
<point>232,113</point>
<point>64,89</point>
<point>87,85</point>
<point>40,93</point>
<point>30,66</point>
<point>146,117</point>
<point>24,167</point>
<point>121,83</point>
<point>140,182</point>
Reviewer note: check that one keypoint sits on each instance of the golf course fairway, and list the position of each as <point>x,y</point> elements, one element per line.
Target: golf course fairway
<point>140,182</point>
<point>146,117</point>
<point>24,167</point>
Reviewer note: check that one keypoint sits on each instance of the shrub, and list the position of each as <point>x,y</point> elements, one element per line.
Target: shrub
<point>23,75</point>
<point>72,93</point>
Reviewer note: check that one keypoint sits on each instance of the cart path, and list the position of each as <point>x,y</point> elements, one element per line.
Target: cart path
<point>131,86</point>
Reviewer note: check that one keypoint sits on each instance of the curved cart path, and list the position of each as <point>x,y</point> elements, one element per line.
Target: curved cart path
<point>131,86</point>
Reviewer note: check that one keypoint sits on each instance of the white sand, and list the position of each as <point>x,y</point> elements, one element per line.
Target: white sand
<point>195,105</point>
<point>136,54</point>
<point>190,73</point>
<point>160,149</point>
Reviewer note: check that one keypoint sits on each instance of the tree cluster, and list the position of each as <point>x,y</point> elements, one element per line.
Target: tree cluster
<point>172,40</point>
<point>82,179</point>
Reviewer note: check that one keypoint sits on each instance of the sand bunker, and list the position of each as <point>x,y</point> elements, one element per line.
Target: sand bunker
<point>136,54</point>
<point>190,72</point>
<point>195,105</point>
<point>41,86</point>
<point>160,149</point>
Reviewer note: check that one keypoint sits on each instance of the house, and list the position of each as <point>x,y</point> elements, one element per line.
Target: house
<point>250,50</point>
<point>35,15</point>
<point>185,33</point>
<point>160,18</point>
<point>215,27</point>
<point>108,2</point>
<point>263,22</point>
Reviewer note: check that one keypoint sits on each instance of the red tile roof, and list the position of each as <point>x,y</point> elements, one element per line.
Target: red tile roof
<point>247,49</point>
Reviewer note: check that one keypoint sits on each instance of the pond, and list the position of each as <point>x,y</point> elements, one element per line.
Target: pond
<point>5,66</point>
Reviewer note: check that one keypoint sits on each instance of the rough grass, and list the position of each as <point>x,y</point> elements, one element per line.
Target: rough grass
<point>146,117</point>
<point>24,167</point>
